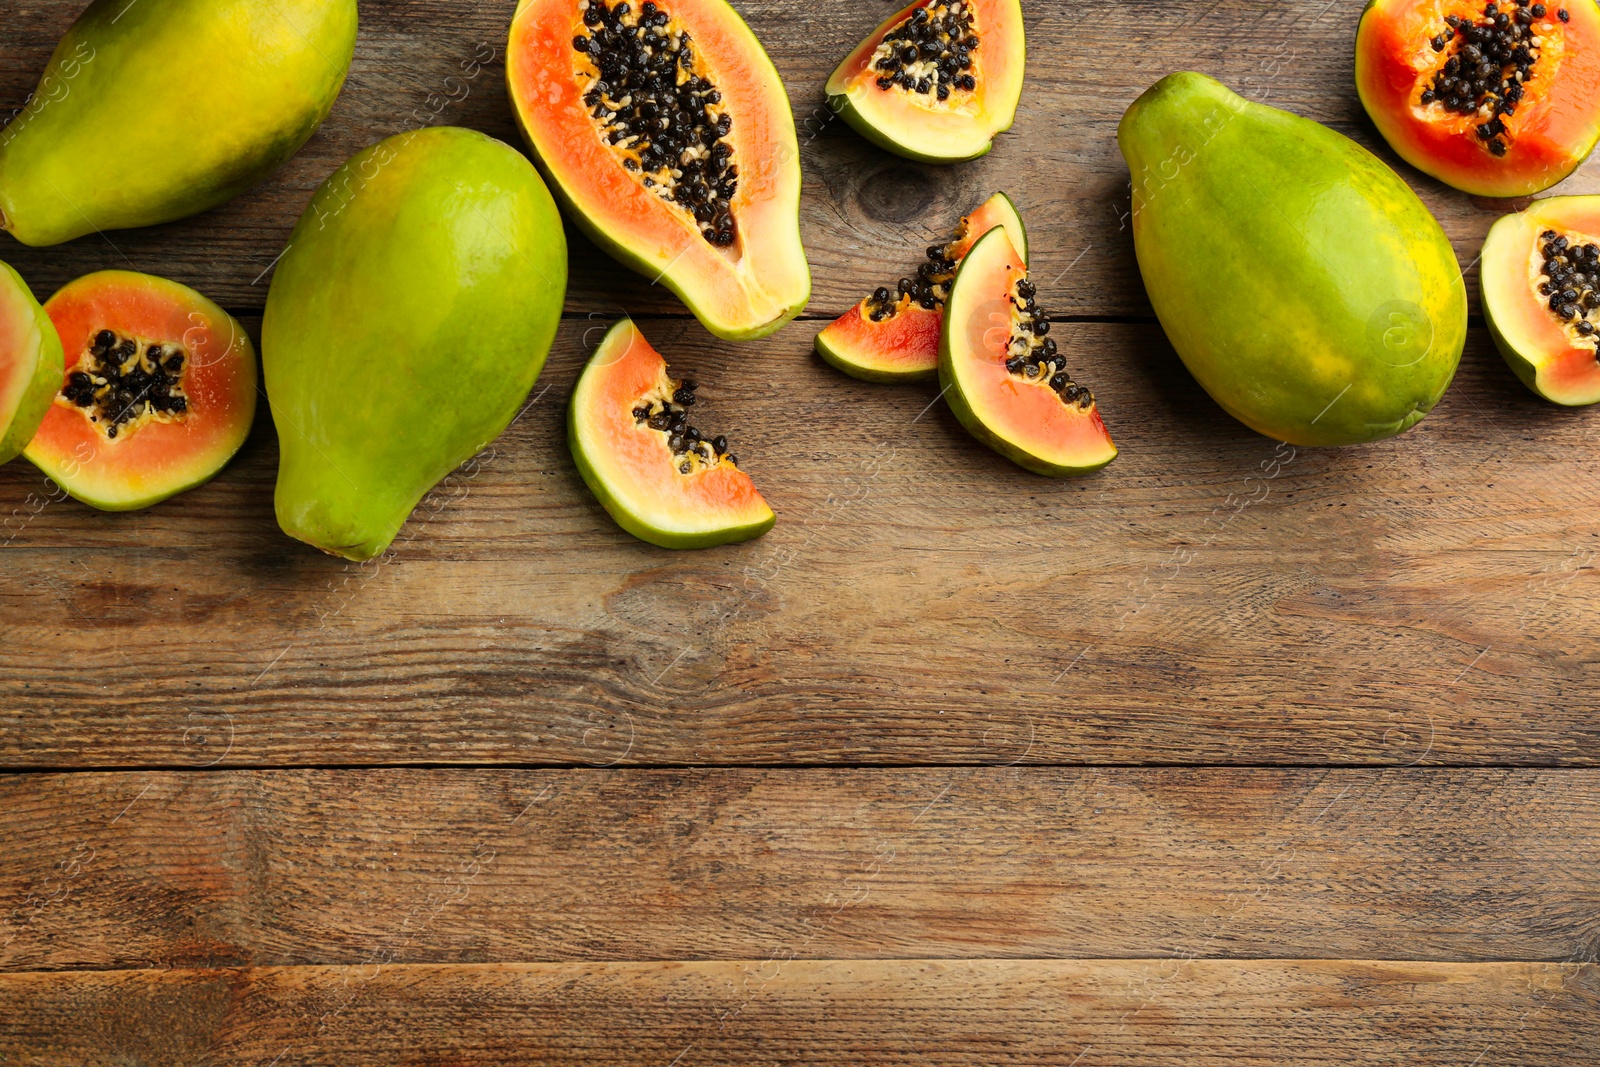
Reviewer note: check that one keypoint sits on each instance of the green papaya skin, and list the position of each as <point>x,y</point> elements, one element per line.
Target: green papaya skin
<point>1302,282</point>
<point>155,110</point>
<point>35,340</point>
<point>406,322</point>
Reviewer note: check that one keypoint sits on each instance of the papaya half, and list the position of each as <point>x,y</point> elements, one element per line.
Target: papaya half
<point>936,81</point>
<point>1302,282</point>
<point>158,394</point>
<point>152,111</point>
<point>665,131</point>
<point>1499,99</point>
<point>1541,296</point>
<point>30,364</point>
<point>406,322</point>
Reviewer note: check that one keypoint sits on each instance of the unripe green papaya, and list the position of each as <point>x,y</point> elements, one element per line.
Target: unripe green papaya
<point>154,110</point>
<point>1302,282</point>
<point>407,320</point>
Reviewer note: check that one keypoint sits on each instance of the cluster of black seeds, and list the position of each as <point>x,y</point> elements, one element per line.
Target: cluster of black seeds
<point>1493,60</point>
<point>650,104</point>
<point>671,417</point>
<point>1572,280</point>
<point>930,52</point>
<point>1032,355</point>
<point>120,383</point>
<point>929,289</point>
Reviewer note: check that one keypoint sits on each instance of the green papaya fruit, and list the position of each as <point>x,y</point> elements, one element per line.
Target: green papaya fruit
<point>1302,282</point>
<point>406,322</point>
<point>158,109</point>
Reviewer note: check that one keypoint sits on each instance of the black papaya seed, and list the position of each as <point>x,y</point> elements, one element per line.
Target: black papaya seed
<point>924,53</point>
<point>651,119</point>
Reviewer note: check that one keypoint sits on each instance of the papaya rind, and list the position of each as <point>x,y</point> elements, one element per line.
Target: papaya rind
<point>676,540</point>
<point>1523,367</point>
<point>1507,247</point>
<point>48,365</point>
<point>153,81</point>
<point>625,517</point>
<point>1020,456</point>
<point>842,105</point>
<point>1014,216</point>
<point>962,406</point>
<point>857,366</point>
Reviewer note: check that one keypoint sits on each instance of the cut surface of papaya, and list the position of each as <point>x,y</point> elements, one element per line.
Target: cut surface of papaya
<point>660,478</point>
<point>159,390</point>
<point>1541,296</point>
<point>1006,378</point>
<point>665,131</point>
<point>1499,99</point>
<point>936,81</point>
<point>893,335</point>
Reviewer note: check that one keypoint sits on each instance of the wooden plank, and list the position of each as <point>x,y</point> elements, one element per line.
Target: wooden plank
<point>866,214</point>
<point>176,869</point>
<point>1211,597</point>
<point>1095,1014</point>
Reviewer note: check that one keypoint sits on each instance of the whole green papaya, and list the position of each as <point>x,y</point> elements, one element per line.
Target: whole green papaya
<point>157,109</point>
<point>1302,282</point>
<point>407,320</point>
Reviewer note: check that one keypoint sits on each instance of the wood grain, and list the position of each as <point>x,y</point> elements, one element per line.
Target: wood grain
<point>1110,1013</point>
<point>867,215</point>
<point>186,869</point>
<point>1211,597</point>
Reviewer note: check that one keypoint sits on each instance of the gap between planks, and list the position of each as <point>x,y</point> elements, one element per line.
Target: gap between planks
<point>24,771</point>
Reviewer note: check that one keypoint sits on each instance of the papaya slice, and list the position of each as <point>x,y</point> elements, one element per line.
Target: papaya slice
<point>1541,296</point>
<point>665,131</point>
<point>159,390</point>
<point>30,364</point>
<point>659,477</point>
<point>1004,376</point>
<point>894,336</point>
<point>1499,99</point>
<point>936,81</point>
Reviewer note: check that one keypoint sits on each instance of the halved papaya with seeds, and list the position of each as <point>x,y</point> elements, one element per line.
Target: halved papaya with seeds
<point>666,132</point>
<point>1497,99</point>
<point>159,390</point>
<point>894,336</point>
<point>1541,296</point>
<point>936,81</point>
<point>661,479</point>
<point>1004,376</point>
<point>30,364</point>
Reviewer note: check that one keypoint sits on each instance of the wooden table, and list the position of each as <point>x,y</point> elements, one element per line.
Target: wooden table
<point>1183,763</point>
